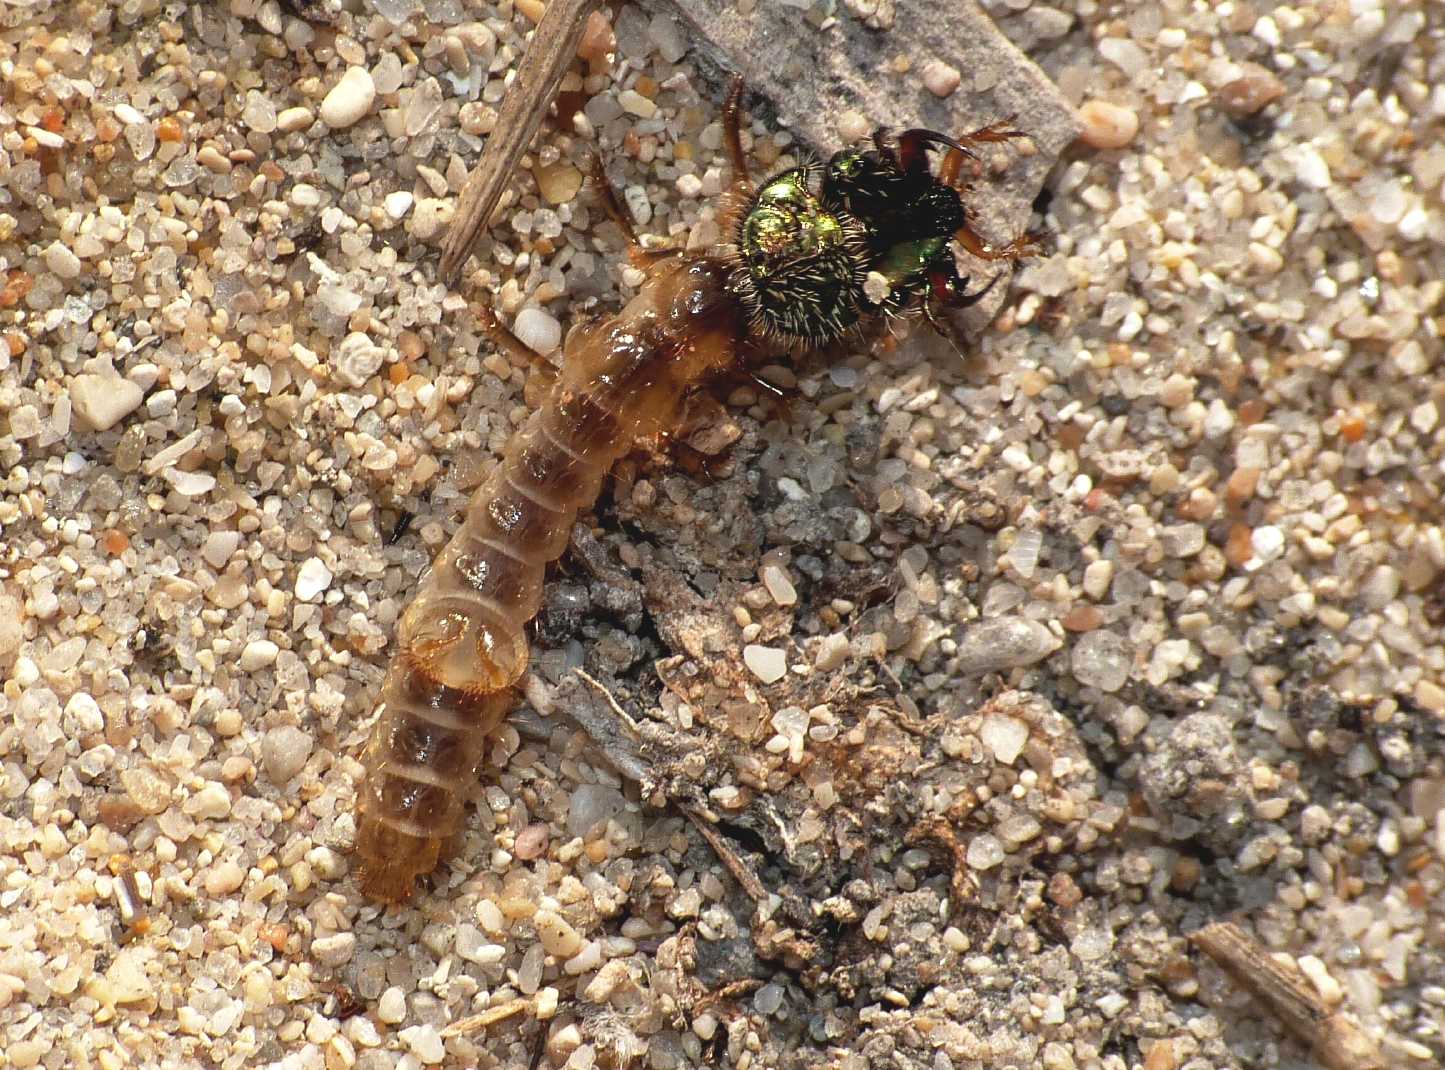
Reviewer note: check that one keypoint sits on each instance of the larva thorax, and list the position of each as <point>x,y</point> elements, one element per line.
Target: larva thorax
<point>461,645</point>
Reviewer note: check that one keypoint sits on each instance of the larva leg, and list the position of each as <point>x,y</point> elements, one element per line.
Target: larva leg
<point>732,132</point>
<point>544,374</point>
<point>734,203</point>
<point>641,257</point>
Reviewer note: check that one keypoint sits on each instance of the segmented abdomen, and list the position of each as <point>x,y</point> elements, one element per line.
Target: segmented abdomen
<point>461,645</point>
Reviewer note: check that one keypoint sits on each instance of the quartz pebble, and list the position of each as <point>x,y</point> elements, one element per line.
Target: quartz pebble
<point>398,203</point>
<point>334,950</point>
<point>293,119</point>
<point>831,653</point>
<point>853,126</point>
<point>425,1043</point>
<point>312,579</point>
<point>284,751</point>
<point>537,329</point>
<point>259,113</point>
<point>349,99</point>
<point>779,586</point>
<point>358,359</point>
<point>984,852</point>
<point>1106,125</point>
<point>940,78</point>
<point>767,663</point>
<point>1101,659</point>
<point>635,103</point>
<point>1006,643</point>
<point>556,934</point>
<point>60,259</point>
<point>102,401</point>
<point>258,654</point>
<point>224,878</point>
<point>391,1007</point>
<point>1005,736</point>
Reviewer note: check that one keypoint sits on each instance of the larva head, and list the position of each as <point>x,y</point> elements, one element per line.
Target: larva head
<point>802,262</point>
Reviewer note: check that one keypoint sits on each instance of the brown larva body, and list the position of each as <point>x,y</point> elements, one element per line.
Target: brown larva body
<point>461,645</point>
<point>792,275</point>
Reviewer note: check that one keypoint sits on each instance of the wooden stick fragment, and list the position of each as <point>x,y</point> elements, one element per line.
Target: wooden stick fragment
<point>491,1016</point>
<point>554,45</point>
<point>1332,1037</point>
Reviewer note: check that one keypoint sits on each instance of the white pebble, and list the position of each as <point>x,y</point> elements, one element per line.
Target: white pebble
<point>589,958</point>
<point>767,663</point>
<point>219,546</point>
<point>102,401</point>
<point>212,802</point>
<point>940,79</point>
<point>876,287</point>
<point>349,99</point>
<point>1267,542</point>
<point>537,329</point>
<point>1106,125</point>
<point>689,185</point>
<point>305,195</point>
<point>1003,643</point>
<point>334,950</point>
<point>831,652</point>
<point>776,580</point>
<point>60,259</point>
<point>84,711</point>
<point>1319,975</point>
<point>474,947</point>
<point>391,1007</point>
<point>984,852</point>
<point>191,484</point>
<point>293,119</point>
<point>259,113</point>
<point>258,654</point>
<point>284,751</point>
<point>634,103</point>
<point>398,204</point>
<point>557,935</point>
<point>224,878</point>
<point>1310,167</point>
<point>312,579</point>
<point>425,1043</point>
<point>852,126</point>
<point>1005,736</point>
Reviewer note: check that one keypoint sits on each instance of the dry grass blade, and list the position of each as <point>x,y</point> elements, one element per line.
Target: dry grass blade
<point>492,1015</point>
<point>554,44</point>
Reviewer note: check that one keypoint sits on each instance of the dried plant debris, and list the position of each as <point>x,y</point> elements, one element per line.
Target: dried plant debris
<point>932,705</point>
<point>1296,1001</point>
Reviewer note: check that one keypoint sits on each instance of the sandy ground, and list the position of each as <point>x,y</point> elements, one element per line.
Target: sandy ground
<point>987,678</point>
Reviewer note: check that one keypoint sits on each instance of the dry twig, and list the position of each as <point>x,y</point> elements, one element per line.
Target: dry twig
<point>554,44</point>
<point>474,1022</point>
<point>1333,1038</point>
